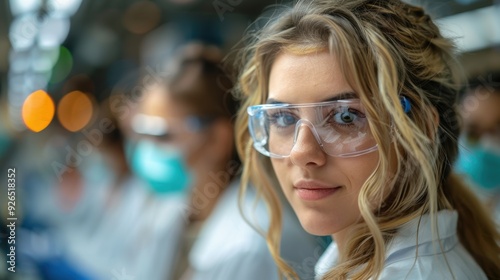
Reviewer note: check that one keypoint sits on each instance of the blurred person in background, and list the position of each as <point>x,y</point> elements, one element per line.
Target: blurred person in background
<point>479,154</point>
<point>185,148</point>
<point>134,232</point>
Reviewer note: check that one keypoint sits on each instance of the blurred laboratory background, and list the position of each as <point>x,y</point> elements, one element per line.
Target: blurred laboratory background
<point>73,76</point>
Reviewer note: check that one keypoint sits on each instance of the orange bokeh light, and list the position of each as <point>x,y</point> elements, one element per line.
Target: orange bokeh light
<point>38,111</point>
<point>75,110</point>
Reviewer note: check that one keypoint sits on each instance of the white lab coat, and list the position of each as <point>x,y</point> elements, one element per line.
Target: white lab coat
<point>228,248</point>
<point>430,264</point>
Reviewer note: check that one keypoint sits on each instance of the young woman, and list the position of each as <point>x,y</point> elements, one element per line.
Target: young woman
<point>349,108</point>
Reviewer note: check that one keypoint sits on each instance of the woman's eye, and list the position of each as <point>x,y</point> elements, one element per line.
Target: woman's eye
<point>345,117</point>
<point>283,119</point>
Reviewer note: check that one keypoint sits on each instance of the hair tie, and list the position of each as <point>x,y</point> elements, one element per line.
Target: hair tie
<point>405,103</point>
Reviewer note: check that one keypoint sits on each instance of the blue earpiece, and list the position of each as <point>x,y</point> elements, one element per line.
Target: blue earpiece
<point>405,103</point>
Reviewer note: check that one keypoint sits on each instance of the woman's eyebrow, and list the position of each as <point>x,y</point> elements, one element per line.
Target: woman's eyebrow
<point>340,96</point>
<point>274,101</point>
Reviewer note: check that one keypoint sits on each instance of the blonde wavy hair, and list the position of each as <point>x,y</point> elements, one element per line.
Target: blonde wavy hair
<point>385,49</point>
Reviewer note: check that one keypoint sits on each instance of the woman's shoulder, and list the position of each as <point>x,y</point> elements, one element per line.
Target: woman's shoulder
<point>456,265</point>
<point>417,253</point>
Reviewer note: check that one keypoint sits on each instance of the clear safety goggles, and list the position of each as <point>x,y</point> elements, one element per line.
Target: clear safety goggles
<point>160,127</point>
<point>340,127</point>
<point>183,134</point>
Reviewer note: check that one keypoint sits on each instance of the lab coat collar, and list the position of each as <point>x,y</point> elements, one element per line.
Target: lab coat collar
<point>405,240</point>
<point>406,236</point>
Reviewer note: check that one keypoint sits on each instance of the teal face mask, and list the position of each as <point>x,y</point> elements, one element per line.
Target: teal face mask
<point>163,169</point>
<point>481,164</point>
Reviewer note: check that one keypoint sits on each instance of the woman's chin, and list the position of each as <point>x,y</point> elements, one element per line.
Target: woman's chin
<point>317,224</point>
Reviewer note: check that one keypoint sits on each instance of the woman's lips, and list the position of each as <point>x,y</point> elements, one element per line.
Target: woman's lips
<point>313,190</point>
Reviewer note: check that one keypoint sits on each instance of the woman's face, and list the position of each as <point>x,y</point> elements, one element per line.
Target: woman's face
<point>481,116</point>
<point>159,106</point>
<point>323,190</point>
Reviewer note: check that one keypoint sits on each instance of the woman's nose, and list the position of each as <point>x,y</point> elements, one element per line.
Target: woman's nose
<point>307,150</point>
